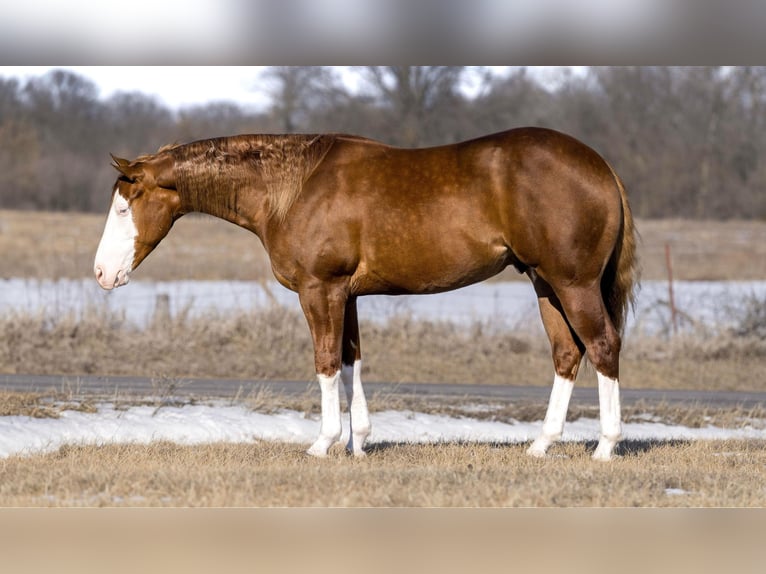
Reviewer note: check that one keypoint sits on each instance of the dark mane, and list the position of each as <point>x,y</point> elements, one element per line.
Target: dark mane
<point>281,162</point>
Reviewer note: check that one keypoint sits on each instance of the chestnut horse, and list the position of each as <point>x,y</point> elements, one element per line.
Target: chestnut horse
<point>342,216</point>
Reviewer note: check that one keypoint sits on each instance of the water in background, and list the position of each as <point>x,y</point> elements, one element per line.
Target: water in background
<point>510,305</point>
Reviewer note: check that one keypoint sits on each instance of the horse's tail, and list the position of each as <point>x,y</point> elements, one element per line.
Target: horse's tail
<point>620,276</point>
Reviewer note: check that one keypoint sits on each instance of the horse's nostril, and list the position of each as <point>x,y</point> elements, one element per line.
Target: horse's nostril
<point>99,272</point>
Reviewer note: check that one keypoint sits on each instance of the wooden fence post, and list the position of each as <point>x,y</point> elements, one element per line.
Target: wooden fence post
<point>671,299</point>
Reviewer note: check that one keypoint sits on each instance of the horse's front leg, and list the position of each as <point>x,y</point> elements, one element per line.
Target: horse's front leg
<point>351,375</point>
<point>324,307</point>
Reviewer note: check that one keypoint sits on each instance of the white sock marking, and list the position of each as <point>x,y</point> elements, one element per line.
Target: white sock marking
<point>358,412</point>
<point>555,417</point>
<point>609,411</point>
<point>330,427</point>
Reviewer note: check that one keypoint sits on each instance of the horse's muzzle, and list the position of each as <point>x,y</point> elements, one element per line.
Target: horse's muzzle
<point>108,282</point>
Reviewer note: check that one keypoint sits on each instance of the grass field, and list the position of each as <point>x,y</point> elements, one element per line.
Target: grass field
<point>656,473</point>
<point>275,344</point>
<point>53,245</point>
<point>676,474</point>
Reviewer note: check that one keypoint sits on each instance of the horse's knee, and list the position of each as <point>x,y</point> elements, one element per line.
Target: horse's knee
<point>566,360</point>
<point>327,361</point>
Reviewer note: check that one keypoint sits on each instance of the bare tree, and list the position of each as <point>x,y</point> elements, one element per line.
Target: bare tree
<point>134,120</point>
<point>296,90</point>
<point>513,100</point>
<point>412,95</point>
<point>688,142</point>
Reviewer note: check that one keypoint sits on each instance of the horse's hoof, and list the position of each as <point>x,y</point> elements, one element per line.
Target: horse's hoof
<point>536,452</point>
<point>318,451</point>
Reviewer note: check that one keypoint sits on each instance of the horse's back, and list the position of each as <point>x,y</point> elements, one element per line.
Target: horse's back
<point>432,219</point>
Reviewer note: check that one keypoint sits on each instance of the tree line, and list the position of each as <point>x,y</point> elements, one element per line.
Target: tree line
<point>688,142</point>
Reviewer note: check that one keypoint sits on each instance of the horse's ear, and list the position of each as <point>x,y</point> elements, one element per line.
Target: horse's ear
<point>158,169</point>
<point>118,161</point>
<point>133,172</point>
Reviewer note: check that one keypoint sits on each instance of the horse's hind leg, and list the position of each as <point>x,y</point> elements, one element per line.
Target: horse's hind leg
<point>586,312</point>
<point>567,353</point>
<point>351,375</point>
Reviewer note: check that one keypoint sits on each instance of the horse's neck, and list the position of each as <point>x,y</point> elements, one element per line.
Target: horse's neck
<point>225,196</point>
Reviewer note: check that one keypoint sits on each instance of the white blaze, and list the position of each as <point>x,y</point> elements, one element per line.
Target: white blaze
<point>114,257</point>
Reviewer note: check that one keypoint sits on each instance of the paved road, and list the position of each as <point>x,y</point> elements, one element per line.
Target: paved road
<point>226,388</point>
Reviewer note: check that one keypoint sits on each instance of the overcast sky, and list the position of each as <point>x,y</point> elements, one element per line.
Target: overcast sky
<point>179,86</point>
<point>175,86</point>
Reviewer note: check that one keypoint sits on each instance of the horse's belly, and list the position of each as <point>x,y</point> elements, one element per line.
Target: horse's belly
<point>429,270</point>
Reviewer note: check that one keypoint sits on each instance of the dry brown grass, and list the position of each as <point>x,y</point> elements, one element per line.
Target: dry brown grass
<point>722,362</point>
<point>52,245</point>
<point>264,400</point>
<point>37,405</point>
<point>42,245</point>
<point>467,475</point>
<point>704,250</point>
<point>25,404</point>
<point>646,473</point>
<point>275,344</point>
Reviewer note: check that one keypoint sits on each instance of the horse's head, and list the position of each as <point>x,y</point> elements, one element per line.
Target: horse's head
<point>144,206</point>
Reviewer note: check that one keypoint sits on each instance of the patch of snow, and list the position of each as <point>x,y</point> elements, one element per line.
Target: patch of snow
<point>676,491</point>
<point>198,424</point>
<point>477,408</point>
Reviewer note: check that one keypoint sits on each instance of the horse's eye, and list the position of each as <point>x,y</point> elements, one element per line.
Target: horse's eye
<point>123,210</point>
